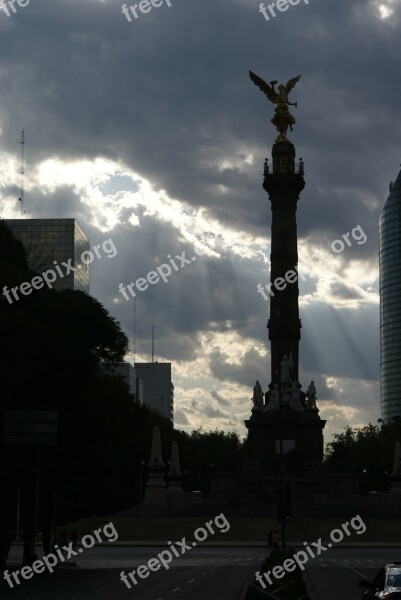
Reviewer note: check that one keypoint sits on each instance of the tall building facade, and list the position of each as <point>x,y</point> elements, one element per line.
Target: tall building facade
<point>390,303</point>
<point>49,243</point>
<point>158,389</point>
<point>127,371</point>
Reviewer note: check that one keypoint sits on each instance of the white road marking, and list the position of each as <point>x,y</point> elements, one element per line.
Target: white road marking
<point>357,572</point>
<point>176,589</point>
<point>99,590</point>
<point>191,580</point>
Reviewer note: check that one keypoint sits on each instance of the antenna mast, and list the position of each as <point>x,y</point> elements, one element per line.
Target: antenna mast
<point>153,343</point>
<point>22,192</point>
<point>134,342</point>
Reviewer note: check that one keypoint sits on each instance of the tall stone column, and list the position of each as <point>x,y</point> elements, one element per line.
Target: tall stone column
<point>287,425</point>
<point>284,183</point>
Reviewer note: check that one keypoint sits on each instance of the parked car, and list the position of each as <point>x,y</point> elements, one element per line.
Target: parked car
<point>386,585</point>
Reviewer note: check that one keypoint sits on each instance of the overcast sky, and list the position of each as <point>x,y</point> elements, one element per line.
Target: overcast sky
<point>150,133</point>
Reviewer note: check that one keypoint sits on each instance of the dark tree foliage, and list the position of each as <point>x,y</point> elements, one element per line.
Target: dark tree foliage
<point>367,451</point>
<point>202,451</point>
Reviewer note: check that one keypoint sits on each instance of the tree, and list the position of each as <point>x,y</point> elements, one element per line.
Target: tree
<point>202,451</point>
<point>366,451</point>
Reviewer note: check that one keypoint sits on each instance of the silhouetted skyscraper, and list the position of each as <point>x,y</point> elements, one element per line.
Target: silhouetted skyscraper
<point>60,240</point>
<point>390,303</point>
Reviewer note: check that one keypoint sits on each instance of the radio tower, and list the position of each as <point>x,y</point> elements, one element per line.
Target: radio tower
<point>134,342</point>
<point>22,192</point>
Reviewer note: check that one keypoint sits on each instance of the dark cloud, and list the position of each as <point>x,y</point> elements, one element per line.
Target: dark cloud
<point>340,290</point>
<point>252,367</point>
<point>91,79</point>
<point>213,413</point>
<point>180,418</point>
<point>222,401</point>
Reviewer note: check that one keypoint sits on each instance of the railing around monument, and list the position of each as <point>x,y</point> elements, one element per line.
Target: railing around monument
<point>299,168</point>
<point>384,498</point>
<point>187,497</point>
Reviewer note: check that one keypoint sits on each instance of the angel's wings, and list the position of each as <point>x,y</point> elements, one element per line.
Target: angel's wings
<point>268,90</point>
<point>292,83</point>
<point>264,87</point>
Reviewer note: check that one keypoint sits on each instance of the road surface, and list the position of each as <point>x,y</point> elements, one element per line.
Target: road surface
<point>204,573</point>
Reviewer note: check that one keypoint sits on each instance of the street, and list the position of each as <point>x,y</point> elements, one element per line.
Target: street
<point>209,572</point>
<point>335,574</point>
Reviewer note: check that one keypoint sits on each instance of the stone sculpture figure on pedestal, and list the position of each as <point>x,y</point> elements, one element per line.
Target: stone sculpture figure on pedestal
<point>295,401</point>
<point>285,367</point>
<point>274,403</point>
<point>268,394</point>
<point>311,395</point>
<point>257,397</point>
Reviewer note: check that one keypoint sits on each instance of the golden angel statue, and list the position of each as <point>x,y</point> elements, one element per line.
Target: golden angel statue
<point>282,117</point>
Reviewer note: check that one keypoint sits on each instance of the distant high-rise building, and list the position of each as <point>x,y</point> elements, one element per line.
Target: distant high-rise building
<point>50,242</point>
<point>134,383</point>
<point>390,303</point>
<point>158,390</point>
<point>139,390</point>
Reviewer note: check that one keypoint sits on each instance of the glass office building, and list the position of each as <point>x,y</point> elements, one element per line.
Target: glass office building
<point>390,303</point>
<point>49,243</point>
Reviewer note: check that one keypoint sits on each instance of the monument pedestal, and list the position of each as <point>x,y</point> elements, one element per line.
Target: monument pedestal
<point>301,432</point>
